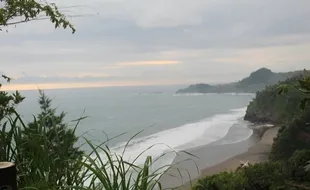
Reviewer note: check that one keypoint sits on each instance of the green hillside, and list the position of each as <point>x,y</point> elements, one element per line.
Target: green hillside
<point>288,167</point>
<point>256,81</point>
<point>270,107</point>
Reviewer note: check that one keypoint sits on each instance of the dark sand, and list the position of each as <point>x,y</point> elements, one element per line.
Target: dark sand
<point>214,158</point>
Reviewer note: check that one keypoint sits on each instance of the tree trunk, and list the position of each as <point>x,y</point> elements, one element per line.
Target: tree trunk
<point>7,176</point>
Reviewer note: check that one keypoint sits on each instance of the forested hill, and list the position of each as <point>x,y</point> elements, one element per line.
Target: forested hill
<point>271,107</point>
<point>283,110</point>
<point>256,81</point>
<point>288,166</point>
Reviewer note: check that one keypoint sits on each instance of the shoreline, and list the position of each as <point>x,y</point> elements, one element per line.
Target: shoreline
<point>256,154</point>
<point>216,158</point>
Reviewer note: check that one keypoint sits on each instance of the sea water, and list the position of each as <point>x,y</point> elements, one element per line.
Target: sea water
<point>171,122</point>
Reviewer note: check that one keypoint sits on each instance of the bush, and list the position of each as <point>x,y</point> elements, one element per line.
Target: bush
<point>263,176</point>
<point>253,177</point>
<point>296,165</point>
<point>290,138</point>
<point>221,181</point>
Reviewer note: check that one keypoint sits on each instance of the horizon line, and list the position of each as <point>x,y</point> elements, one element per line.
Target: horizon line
<point>59,86</point>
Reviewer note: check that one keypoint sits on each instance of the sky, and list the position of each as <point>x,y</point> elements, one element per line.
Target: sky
<point>157,42</point>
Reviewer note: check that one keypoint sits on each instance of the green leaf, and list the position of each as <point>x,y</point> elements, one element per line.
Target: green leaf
<point>283,88</point>
<point>304,102</point>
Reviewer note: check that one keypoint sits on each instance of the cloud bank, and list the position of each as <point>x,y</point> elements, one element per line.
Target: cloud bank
<point>160,42</point>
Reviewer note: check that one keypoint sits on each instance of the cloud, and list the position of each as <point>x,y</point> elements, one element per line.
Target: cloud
<point>64,85</point>
<point>65,79</point>
<point>145,41</point>
<point>147,63</point>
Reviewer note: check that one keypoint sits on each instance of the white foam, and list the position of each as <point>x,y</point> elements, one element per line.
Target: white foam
<point>206,94</point>
<point>249,134</point>
<point>189,94</point>
<point>187,136</point>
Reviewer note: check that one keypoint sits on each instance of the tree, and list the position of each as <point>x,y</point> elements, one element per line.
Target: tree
<point>15,12</point>
<point>56,129</point>
<point>303,86</point>
<point>296,165</point>
<point>50,140</point>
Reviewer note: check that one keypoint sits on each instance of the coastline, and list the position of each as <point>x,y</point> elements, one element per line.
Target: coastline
<point>256,154</point>
<point>215,158</point>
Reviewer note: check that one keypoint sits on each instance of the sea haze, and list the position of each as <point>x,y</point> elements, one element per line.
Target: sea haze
<point>174,122</point>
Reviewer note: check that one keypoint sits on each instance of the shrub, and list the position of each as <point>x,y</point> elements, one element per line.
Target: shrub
<point>221,181</point>
<point>263,176</point>
<point>253,177</point>
<point>296,165</point>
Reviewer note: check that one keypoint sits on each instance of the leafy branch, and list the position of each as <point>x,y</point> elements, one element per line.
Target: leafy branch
<point>30,10</point>
<point>303,86</point>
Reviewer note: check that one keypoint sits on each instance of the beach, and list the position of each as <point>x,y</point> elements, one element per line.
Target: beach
<point>215,158</point>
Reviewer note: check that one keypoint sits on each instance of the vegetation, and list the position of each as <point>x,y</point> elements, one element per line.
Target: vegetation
<point>224,180</point>
<point>288,168</point>
<point>293,136</point>
<point>16,11</point>
<point>253,177</point>
<point>257,80</point>
<point>50,132</point>
<point>8,102</point>
<point>269,106</point>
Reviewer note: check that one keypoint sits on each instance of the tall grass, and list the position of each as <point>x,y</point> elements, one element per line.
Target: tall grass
<point>42,165</point>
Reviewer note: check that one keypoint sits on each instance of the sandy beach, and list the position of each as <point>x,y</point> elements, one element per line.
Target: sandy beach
<point>255,154</point>
<point>212,159</point>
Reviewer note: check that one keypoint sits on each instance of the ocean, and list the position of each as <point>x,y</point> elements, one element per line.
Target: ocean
<point>171,122</point>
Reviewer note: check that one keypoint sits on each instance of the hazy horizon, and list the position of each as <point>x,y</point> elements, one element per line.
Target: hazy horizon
<point>24,84</point>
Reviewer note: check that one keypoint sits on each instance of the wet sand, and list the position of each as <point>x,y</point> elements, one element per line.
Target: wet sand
<point>256,154</point>
<point>216,158</point>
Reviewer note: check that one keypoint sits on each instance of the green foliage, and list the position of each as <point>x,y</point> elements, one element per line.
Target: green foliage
<point>43,150</point>
<point>253,177</point>
<point>8,101</point>
<point>105,170</point>
<point>303,86</point>
<point>55,128</point>
<point>290,153</point>
<point>269,106</point>
<point>284,104</point>
<point>49,142</point>
<point>41,165</point>
<point>292,136</point>
<point>263,176</point>
<point>296,165</point>
<point>18,11</point>
<point>221,181</point>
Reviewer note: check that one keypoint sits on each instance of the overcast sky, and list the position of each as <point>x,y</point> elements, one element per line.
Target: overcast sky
<point>141,42</point>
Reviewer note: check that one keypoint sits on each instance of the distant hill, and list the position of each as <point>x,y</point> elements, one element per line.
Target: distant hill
<point>257,81</point>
